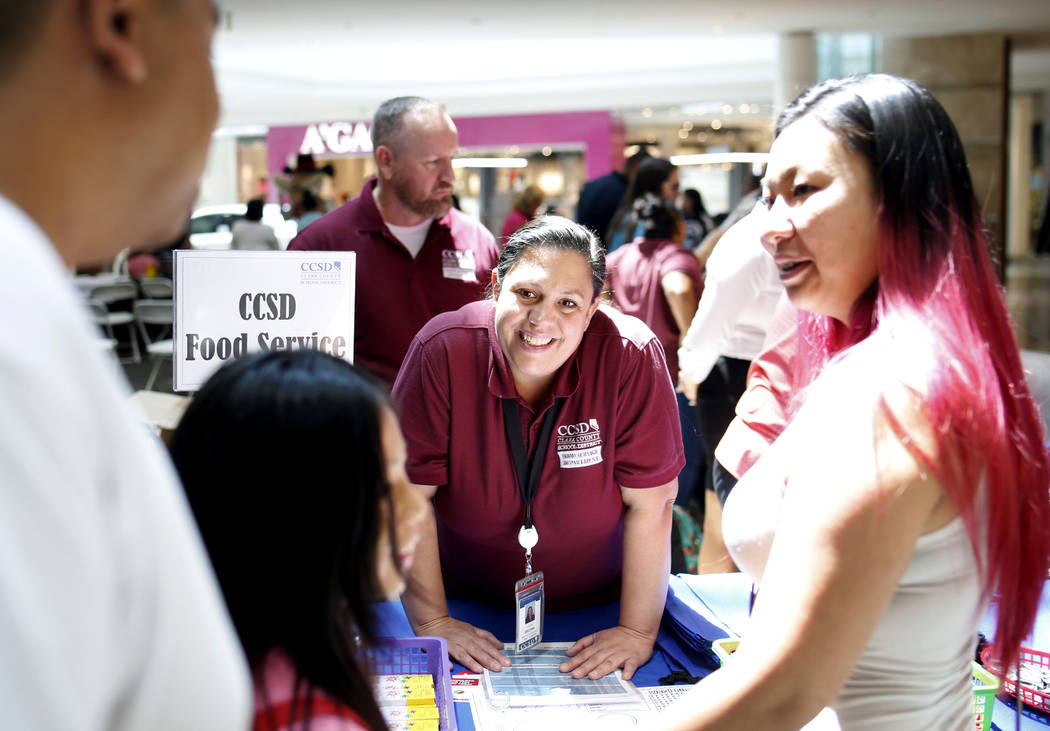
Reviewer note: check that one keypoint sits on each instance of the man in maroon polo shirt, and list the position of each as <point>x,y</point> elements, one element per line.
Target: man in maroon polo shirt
<point>417,256</point>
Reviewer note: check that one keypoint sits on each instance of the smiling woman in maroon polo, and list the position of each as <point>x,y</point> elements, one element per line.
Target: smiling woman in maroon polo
<point>542,357</point>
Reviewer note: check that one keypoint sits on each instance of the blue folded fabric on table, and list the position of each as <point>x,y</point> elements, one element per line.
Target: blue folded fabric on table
<point>699,610</point>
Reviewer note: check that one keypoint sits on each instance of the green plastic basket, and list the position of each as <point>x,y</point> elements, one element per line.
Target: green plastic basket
<point>985,685</point>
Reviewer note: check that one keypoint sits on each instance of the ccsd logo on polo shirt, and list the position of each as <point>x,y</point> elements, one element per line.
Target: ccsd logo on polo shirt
<point>579,445</point>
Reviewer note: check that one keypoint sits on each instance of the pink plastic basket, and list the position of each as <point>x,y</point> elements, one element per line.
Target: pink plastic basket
<point>419,656</point>
<point>1030,696</point>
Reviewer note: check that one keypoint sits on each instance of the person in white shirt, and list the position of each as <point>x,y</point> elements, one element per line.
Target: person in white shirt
<point>110,616</point>
<point>741,290</point>
<point>250,233</point>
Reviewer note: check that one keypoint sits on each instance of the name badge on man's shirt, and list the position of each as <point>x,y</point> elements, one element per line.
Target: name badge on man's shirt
<point>456,264</point>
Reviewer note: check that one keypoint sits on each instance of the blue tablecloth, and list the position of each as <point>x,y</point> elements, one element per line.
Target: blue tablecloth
<point>699,609</point>
<point>718,601</point>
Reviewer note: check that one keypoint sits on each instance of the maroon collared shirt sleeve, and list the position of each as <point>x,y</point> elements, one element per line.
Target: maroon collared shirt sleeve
<point>649,449</point>
<point>421,399</point>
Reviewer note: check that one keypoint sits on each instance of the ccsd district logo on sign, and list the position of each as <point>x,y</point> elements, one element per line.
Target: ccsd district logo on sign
<point>321,272</point>
<point>579,445</point>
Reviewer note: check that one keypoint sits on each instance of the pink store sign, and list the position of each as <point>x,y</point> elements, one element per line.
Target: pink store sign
<point>599,134</point>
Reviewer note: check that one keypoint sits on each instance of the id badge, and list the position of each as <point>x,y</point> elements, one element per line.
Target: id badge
<point>528,607</point>
<point>456,264</point>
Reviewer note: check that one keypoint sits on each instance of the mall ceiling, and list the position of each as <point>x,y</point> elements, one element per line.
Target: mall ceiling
<point>307,60</point>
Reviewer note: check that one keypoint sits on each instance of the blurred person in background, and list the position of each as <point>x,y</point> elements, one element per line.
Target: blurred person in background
<point>600,197</point>
<point>741,290</point>
<point>311,210</point>
<point>417,256</point>
<point>250,233</point>
<point>295,182</point>
<point>143,264</point>
<point>332,535</point>
<point>698,223</point>
<point>526,202</point>
<point>654,176</point>
<point>110,615</point>
<point>658,281</point>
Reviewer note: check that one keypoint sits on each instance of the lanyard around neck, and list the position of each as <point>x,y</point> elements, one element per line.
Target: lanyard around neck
<point>528,471</point>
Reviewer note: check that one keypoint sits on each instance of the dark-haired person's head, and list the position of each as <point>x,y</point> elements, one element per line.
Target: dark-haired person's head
<point>547,287</point>
<point>142,123</point>
<point>293,463</point>
<point>20,21</point>
<point>874,225</point>
<point>528,200</point>
<point>654,175</point>
<point>632,163</point>
<point>658,218</point>
<point>552,232</point>
<point>254,211</point>
<point>692,203</point>
<point>917,167</point>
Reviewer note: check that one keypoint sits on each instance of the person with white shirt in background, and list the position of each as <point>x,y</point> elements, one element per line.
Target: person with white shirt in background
<point>741,289</point>
<point>110,615</point>
<point>417,255</point>
<point>250,233</point>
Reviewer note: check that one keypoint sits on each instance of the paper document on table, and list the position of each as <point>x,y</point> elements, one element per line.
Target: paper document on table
<point>640,710</point>
<point>533,679</point>
<point>659,697</point>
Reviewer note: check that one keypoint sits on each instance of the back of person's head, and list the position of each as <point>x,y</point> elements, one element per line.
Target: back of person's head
<point>554,232</point>
<point>658,218</point>
<point>935,272</point>
<point>19,23</point>
<point>528,199</point>
<point>649,177</point>
<point>632,163</point>
<point>254,211</point>
<point>282,461</point>
<point>388,123</point>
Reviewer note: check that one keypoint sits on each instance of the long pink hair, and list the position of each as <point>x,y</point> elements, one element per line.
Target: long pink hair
<point>935,273</point>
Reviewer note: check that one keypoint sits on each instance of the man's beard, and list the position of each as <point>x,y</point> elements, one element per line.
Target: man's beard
<point>420,205</point>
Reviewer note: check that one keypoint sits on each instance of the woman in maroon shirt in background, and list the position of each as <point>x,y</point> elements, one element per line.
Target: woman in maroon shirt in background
<point>656,279</point>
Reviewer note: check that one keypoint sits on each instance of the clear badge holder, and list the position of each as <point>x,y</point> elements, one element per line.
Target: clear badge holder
<point>528,596</point>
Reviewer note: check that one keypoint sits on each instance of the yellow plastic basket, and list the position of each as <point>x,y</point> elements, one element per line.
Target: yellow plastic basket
<point>985,685</point>
<point>725,647</point>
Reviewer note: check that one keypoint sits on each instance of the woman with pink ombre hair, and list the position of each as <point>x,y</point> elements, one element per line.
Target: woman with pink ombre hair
<point>910,484</point>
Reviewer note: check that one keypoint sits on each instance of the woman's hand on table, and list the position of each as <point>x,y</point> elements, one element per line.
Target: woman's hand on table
<point>601,653</point>
<point>473,648</point>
